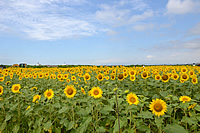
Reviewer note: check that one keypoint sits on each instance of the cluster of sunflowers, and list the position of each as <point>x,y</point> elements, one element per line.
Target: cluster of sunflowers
<point>166,94</point>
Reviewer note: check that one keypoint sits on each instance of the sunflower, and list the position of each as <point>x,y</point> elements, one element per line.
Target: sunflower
<point>86,76</point>
<point>40,75</point>
<point>191,73</point>
<point>1,90</point>
<point>20,78</point>
<point>100,77</point>
<point>28,107</point>
<point>157,77</point>
<point>1,79</point>
<point>158,107</point>
<point>36,97</point>
<point>15,88</point>
<point>165,78</point>
<point>96,92</point>
<point>175,76</point>
<point>184,76</point>
<point>132,78</point>
<point>132,72</point>
<point>192,106</point>
<point>83,91</point>
<point>73,78</point>
<point>49,93</point>
<point>184,70</point>
<point>34,88</point>
<point>132,99</point>
<point>70,91</point>
<point>185,99</point>
<point>112,76</point>
<point>144,75</point>
<point>65,76</point>
<point>120,77</point>
<point>194,80</point>
<point>8,82</point>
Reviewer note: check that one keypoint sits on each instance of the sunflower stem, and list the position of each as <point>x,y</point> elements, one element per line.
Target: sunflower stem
<point>130,120</point>
<point>117,110</point>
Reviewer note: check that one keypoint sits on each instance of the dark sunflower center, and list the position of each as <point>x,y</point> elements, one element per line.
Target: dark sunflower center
<point>112,77</point>
<point>175,76</point>
<point>49,94</point>
<point>191,73</point>
<point>184,70</point>
<point>132,73</point>
<point>16,88</point>
<point>86,77</point>
<point>132,78</point>
<point>69,91</point>
<point>144,74</point>
<point>100,77</point>
<point>158,107</point>
<point>185,99</point>
<point>157,77</point>
<point>164,77</point>
<point>194,80</point>
<point>132,100</point>
<point>96,92</point>
<point>0,90</point>
<point>121,76</point>
<point>184,76</point>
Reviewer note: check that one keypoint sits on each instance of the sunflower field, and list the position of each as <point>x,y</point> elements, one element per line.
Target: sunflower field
<point>91,99</point>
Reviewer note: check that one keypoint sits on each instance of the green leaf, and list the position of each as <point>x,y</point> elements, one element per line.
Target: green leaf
<point>197,107</point>
<point>38,121</point>
<point>116,125</point>
<point>174,128</point>
<point>174,98</point>
<point>8,117</point>
<point>64,109</point>
<point>15,129</point>
<point>101,130</point>
<point>163,93</point>
<point>189,120</point>
<point>84,126</point>
<point>47,125</point>
<point>146,115</point>
<point>158,121</point>
<point>70,125</point>
<point>3,125</point>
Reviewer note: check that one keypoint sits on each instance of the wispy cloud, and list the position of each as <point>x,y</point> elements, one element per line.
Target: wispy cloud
<point>183,6</point>
<point>45,19</point>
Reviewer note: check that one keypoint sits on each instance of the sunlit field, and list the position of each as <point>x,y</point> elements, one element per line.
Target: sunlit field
<point>89,99</point>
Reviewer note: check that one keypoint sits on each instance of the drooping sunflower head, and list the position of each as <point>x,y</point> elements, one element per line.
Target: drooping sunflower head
<point>132,99</point>
<point>49,93</point>
<point>15,88</point>
<point>158,107</point>
<point>96,92</point>
<point>34,88</point>
<point>1,90</point>
<point>87,76</point>
<point>70,91</point>
<point>194,80</point>
<point>83,91</point>
<point>8,82</point>
<point>185,99</point>
<point>36,97</point>
<point>120,77</point>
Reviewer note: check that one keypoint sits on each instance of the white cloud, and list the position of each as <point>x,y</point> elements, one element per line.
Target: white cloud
<point>195,30</point>
<point>182,6</point>
<point>142,27</point>
<point>149,56</point>
<point>42,20</point>
<point>112,32</point>
<point>123,12</point>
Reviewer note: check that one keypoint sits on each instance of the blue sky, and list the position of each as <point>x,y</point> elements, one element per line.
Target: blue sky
<point>99,31</point>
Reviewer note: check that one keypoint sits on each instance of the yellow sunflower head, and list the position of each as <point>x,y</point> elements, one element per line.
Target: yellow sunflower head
<point>15,88</point>
<point>184,70</point>
<point>144,75</point>
<point>100,77</point>
<point>132,99</point>
<point>112,76</point>
<point>87,76</point>
<point>96,92</point>
<point>73,78</point>
<point>1,79</point>
<point>157,77</point>
<point>175,76</point>
<point>83,91</point>
<point>194,80</point>
<point>36,97</point>
<point>70,91</point>
<point>184,76</point>
<point>49,93</point>
<point>1,90</point>
<point>120,77</point>
<point>158,107</point>
<point>132,78</point>
<point>184,99</point>
<point>165,78</point>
